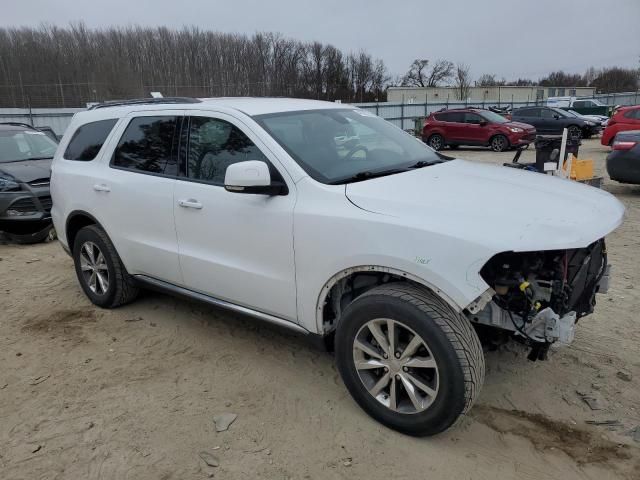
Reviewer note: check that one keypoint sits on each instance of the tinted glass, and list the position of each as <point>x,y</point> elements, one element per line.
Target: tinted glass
<point>580,104</point>
<point>473,118</point>
<point>455,117</point>
<point>88,140</point>
<point>528,112</point>
<point>546,113</point>
<point>149,145</point>
<point>335,145</point>
<point>16,145</point>
<point>215,144</point>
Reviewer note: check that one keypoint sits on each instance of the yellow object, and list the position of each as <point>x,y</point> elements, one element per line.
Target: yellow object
<point>580,169</point>
<point>524,286</point>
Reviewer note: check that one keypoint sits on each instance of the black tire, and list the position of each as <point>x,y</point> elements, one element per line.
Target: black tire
<point>436,141</point>
<point>574,131</point>
<point>499,143</point>
<point>121,286</point>
<point>452,342</point>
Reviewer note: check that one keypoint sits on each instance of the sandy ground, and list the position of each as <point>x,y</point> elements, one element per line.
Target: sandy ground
<point>131,393</point>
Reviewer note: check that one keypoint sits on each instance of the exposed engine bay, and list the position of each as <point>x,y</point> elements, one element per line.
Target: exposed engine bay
<point>539,296</point>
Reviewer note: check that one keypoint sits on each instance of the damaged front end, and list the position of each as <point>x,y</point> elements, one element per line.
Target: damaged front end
<point>538,297</point>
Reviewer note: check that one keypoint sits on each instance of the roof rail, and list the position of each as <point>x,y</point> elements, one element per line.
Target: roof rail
<point>145,101</point>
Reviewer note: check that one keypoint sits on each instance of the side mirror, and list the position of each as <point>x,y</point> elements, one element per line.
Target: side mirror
<point>483,123</point>
<point>556,116</point>
<point>252,177</point>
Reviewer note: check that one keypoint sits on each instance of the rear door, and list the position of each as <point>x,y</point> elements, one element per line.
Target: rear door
<point>531,116</point>
<point>453,126</point>
<point>133,193</point>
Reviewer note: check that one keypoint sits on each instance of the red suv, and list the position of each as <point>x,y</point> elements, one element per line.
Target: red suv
<point>625,118</point>
<point>475,126</point>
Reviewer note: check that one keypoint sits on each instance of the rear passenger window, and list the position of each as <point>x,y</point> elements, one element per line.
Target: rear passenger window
<point>88,140</point>
<point>215,144</point>
<point>149,144</point>
<point>456,117</point>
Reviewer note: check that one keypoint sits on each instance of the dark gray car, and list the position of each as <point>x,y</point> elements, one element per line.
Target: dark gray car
<point>25,170</point>
<point>549,120</point>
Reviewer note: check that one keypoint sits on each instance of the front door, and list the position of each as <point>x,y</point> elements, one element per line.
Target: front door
<point>236,247</point>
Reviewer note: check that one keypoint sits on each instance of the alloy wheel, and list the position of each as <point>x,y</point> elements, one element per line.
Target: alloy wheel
<point>498,144</point>
<point>396,366</point>
<point>435,142</point>
<point>94,268</point>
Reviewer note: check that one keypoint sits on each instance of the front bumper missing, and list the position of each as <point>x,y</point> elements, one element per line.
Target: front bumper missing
<point>546,327</point>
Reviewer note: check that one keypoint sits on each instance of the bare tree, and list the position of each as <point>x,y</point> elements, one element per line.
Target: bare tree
<point>462,81</point>
<point>421,74</point>
<point>51,66</point>
<point>490,80</point>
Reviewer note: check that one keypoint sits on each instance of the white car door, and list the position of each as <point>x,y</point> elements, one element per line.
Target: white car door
<point>236,247</point>
<point>134,193</point>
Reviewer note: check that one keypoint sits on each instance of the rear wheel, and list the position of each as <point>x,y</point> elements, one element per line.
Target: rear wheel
<point>99,269</point>
<point>499,143</point>
<point>408,359</point>
<point>436,141</point>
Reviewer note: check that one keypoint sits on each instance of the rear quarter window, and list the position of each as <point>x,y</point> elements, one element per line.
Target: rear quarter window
<point>88,139</point>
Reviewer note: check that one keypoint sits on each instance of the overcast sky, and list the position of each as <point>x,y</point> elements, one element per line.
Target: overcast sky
<point>512,38</point>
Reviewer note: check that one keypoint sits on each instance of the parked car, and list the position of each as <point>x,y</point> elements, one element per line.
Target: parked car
<point>625,118</point>
<point>586,106</point>
<point>474,126</point>
<point>378,245</point>
<point>592,126</point>
<point>623,163</point>
<point>25,201</point>
<point>552,121</point>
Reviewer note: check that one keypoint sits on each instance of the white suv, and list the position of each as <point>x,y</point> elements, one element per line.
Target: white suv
<point>333,222</point>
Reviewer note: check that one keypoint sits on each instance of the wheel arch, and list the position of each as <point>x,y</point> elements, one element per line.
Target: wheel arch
<point>77,220</point>
<point>334,286</point>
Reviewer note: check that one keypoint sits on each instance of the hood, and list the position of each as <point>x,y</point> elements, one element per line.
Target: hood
<point>27,170</point>
<point>499,207</point>
<point>524,126</point>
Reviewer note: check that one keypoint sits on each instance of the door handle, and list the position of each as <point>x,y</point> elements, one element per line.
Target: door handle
<point>101,187</point>
<point>190,203</point>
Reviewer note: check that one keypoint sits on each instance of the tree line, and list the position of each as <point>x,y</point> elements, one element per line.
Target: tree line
<point>51,66</point>
<point>437,73</point>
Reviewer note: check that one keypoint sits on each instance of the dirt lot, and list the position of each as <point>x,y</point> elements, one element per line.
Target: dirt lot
<point>131,393</point>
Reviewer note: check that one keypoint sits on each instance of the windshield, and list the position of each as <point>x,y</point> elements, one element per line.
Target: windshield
<point>572,113</point>
<point>493,117</point>
<point>333,146</point>
<point>17,145</point>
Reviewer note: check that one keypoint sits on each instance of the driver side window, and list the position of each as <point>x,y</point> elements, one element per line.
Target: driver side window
<point>214,144</point>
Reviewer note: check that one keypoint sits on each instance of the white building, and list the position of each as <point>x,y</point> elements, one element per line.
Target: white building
<point>505,94</point>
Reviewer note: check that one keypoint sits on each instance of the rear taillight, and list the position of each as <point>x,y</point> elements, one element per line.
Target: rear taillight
<point>611,122</point>
<point>623,145</point>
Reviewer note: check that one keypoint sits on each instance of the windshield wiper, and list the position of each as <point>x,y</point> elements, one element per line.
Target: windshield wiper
<point>367,174</point>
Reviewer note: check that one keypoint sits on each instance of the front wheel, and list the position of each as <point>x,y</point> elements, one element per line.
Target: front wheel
<point>499,143</point>
<point>574,132</point>
<point>408,359</point>
<point>436,141</point>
